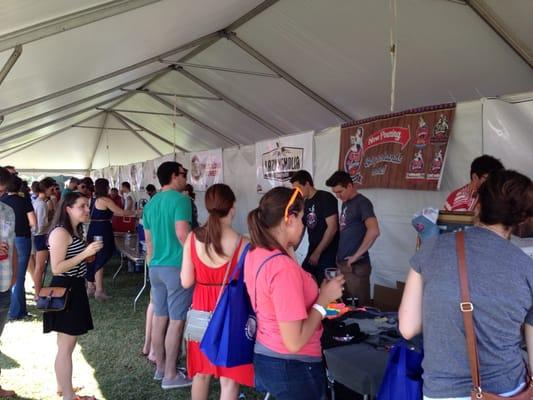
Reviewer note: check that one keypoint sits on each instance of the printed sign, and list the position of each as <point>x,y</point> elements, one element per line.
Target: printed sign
<point>206,169</point>
<point>405,150</point>
<point>277,160</point>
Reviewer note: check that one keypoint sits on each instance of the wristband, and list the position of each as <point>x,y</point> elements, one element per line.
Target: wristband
<point>320,309</point>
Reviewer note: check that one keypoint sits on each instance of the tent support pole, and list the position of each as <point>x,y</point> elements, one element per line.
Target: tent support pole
<point>138,112</point>
<point>23,146</point>
<point>231,102</point>
<point>193,119</point>
<point>55,121</point>
<point>232,36</point>
<point>10,62</point>
<point>78,102</point>
<point>150,132</point>
<point>98,142</point>
<point>180,95</point>
<point>137,134</point>
<point>486,14</point>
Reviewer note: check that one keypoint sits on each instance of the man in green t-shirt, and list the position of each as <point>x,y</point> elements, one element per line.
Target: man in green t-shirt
<point>166,219</point>
<point>72,186</point>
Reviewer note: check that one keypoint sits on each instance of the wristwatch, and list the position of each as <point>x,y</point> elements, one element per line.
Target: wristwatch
<point>320,309</point>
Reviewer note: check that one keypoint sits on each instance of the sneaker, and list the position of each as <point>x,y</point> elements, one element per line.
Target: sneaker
<point>159,375</point>
<point>180,381</point>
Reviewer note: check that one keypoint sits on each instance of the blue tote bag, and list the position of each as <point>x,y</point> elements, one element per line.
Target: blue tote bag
<point>403,376</point>
<point>230,336</point>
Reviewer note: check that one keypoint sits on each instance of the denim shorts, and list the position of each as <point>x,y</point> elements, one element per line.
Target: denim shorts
<point>169,298</point>
<point>39,242</point>
<point>290,379</point>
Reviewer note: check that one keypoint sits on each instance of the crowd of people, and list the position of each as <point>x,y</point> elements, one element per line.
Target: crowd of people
<point>189,265</point>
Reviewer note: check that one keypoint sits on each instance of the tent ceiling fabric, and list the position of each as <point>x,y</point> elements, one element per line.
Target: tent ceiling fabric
<point>445,52</point>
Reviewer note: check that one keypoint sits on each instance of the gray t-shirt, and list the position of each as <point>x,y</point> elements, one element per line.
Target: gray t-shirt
<point>501,288</point>
<point>41,213</point>
<point>352,226</point>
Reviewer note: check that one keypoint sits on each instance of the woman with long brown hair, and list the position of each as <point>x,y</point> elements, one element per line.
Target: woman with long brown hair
<point>210,254</point>
<point>68,254</point>
<point>288,305</point>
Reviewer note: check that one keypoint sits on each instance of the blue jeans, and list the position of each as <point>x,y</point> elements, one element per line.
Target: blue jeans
<point>18,294</point>
<point>290,379</point>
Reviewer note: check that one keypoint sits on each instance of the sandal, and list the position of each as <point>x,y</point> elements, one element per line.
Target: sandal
<point>84,398</point>
<point>75,389</point>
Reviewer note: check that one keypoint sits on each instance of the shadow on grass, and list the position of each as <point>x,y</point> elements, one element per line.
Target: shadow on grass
<point>7,362</point>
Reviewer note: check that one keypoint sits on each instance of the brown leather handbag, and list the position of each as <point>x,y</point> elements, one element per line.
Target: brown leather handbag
<point>467,309</point>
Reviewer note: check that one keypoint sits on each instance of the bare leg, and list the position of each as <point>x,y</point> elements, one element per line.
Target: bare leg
<point>200,387</point>
<point>40,263</point>
<point>229,389</point>
<point>148,330</point>
<point>159,327</point>
<point>31,270</point>
<point>172,347</point>
<point>63,365</point>
<point>100,294</point>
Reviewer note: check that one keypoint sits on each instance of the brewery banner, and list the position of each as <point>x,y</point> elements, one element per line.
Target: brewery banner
<point>405,150</point>
<point>206,169</point>
<point>278,159</point>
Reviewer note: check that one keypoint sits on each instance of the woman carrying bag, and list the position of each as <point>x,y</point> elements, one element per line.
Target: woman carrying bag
<point>288,305</point>
<point>478,273</point>
<point>68,254</point>
<point>210,255</point>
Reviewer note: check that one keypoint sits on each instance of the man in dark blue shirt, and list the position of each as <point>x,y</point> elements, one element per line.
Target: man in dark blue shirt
<point>359,229</point>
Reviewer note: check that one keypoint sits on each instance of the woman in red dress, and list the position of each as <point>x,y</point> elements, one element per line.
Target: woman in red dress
<point>210,254</point>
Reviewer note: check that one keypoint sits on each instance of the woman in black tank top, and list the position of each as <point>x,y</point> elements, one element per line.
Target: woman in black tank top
<point>68,254</point>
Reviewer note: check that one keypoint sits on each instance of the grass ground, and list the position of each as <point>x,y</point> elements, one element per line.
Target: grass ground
<point>107,361</point>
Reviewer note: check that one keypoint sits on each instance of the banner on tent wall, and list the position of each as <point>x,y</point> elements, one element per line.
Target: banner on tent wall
<point>277,160</point>
<point>405,150</point>
<point>507,133</point>
<point>114,176</point>
<point>206,169</point>
<point>136,176</point>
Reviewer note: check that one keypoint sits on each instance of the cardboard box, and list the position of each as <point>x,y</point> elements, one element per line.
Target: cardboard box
<point>387,298</point>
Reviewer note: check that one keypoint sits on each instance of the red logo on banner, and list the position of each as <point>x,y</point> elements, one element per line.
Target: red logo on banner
<point>396,134</point>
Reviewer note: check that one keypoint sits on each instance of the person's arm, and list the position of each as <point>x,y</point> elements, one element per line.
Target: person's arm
<point>295,334</point>
<point>410,313</point>
<point>528,330</point>
<point>149,246</point>
<point>32,219</point>
<point>372,233</point>
<point>14,265</point>
<point>59,240</point>
<point>329,234</point>
<point>182,230</point>
<point>116,210</point>
<point>187,267</point>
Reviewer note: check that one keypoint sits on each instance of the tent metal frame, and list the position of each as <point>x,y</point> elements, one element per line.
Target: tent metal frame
<point>180,95</point>
<point>204,85</point>
<point>10,62</point>
<point>140,112</point>
<point>150,132</point>
<point>108,129</point>
<point>69,21</point>
<point>100,135</point>
<point>223,69</point>
<point>136,134</point>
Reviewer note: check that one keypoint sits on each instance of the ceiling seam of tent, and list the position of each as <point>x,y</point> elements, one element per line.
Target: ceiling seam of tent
<point>194,120</point>
<point>70,21</point>
<point>80,101</point>
<point>174,146</point>
<point>63,118</point>
<point>233,38</point>
<point>137,134</point>
<point>98,141</point>
<point>487,15</point>
<point>47,136</point>
<point>231,102</point>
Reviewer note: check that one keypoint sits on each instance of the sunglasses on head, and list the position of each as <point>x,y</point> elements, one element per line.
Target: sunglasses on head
<point>294,195</point>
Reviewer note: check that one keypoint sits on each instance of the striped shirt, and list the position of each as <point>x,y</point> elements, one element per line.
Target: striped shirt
<point>76,247</point>
<point>462,199</point>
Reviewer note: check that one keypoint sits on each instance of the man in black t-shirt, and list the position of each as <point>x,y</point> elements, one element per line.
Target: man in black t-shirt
<point>359,229</point>
<point>321,221</point>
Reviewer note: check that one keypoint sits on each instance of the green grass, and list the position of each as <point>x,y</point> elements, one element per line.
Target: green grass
<point>107,361</point>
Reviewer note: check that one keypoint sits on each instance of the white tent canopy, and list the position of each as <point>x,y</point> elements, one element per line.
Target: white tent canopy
<point>309,65</point>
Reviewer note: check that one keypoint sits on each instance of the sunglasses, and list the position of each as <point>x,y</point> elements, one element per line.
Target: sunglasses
<point>294,195</point>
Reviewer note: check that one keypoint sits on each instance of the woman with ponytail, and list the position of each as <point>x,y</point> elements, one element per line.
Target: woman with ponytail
<point>288,304</point>
<point>209,256</point>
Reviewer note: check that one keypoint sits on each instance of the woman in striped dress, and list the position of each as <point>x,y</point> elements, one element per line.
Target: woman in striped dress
<point>68,254</point>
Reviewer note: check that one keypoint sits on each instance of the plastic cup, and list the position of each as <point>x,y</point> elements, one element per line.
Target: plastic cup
<point>98,238</point>
<point>4,237</point>
<point>331,273</point>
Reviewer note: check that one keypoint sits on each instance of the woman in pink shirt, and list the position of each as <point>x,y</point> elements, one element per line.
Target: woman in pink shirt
<point>286,299</point>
